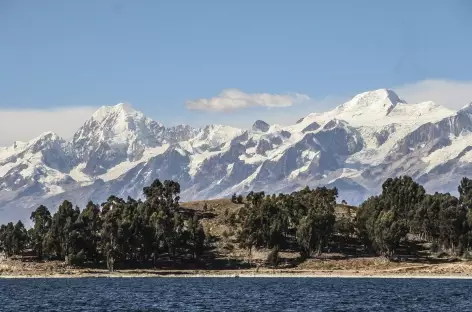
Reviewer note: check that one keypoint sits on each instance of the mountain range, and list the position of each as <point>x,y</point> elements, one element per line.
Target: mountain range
<point>355,147</point>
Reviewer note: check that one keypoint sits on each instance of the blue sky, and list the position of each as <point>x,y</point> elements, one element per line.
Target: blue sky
<point>157,55</point>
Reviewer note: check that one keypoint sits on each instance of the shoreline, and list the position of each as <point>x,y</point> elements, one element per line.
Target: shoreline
<point>235,274</point>
<point>313,268</point>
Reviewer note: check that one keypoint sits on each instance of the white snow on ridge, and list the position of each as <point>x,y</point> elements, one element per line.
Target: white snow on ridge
<point>5,168</point>
<point>215,135</point>
<point>123,167</point>
<point>121,108</point>
<point>380,108</point>
<point>78,175</point>
<point>449,152</point>
<point>320,148</point>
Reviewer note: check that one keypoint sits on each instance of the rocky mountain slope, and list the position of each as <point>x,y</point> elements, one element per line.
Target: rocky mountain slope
<point>354,147</point>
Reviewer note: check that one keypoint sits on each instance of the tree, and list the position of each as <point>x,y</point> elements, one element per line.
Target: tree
<point>273,257</point>
<point>110,233</point>
<point>345,229</point>
<point>19,239</point>
<point>197,237</point>
<point>388,232</point>
<point>383,221</point>
<point>59,238</point>
<point>316,208</point>
<point>7,239</point>
<point>42,220</point>
<point>90,221</point>
<point>234,198</point>
<point>465,193</point>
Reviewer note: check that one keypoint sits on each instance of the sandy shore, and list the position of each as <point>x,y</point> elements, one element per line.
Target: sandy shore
<point>244,275</point>
<point>352,268</point>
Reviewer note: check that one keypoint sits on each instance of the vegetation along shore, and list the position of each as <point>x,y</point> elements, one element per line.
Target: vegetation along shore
<point>402,232</point>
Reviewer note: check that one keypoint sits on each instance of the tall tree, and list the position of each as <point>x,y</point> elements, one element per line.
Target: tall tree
<point>42,220</point>
<point>20,238</point>
<point>59,239</point>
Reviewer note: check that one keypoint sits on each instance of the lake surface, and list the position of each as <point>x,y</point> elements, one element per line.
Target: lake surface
<point>235,294</point>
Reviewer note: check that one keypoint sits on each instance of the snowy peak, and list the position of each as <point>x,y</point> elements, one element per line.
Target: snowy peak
<point>380,108</point>
<point>118,124</point>
<point>47,136</point>
<point>121,118</point>
<point>114,134</point>
<point>381,101</point>
<point>123,109</point>
<point>46,141</point>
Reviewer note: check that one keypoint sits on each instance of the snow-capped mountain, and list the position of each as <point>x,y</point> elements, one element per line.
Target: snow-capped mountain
<point>354,147</point>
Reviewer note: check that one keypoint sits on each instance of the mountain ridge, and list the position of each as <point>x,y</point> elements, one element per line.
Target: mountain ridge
<point>355,146</point>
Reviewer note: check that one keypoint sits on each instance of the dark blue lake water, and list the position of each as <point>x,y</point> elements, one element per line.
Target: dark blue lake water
<point>230,294</point>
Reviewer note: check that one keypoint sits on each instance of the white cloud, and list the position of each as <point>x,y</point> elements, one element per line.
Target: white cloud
<point>449,93</point>
<point>283,116</point>
<point>233,99</point>
<point>24,125</point>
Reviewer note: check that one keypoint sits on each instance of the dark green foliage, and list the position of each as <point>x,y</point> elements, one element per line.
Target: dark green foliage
<point>234,198</point>
<point>273,257</point>
<point>125,232</point>
<point>63,237</point>
<point>345,229</point>
<point>196,237</point>
<point>274,221</point>
<point>403,207</point>
<point>42,223</point>
<point>13,238</point>
<point>7,239</point>
<point>383,221</point>
<point>158,230</point>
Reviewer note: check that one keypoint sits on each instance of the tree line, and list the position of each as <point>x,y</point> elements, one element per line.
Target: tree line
<point>142,232</point>
<point>132,231</point>
<point>306,220</point>
<point>404,208</point>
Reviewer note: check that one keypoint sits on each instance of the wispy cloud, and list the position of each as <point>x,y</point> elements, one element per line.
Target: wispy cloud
<point>449,93</point>
<point>26,124</point>
<point>234,99</point>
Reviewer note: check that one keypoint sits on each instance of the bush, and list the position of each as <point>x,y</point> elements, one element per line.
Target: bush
<point>78,259</point>
<point>273,258</point>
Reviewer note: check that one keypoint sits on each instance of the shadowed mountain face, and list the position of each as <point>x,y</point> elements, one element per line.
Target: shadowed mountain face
<point>354,147</point>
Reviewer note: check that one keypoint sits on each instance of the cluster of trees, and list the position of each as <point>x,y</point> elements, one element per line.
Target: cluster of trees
<point>403,208</point>
<point>303,220</point>
<point>306,220</point>
<point>131,231</point>
<point>142,232</point>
